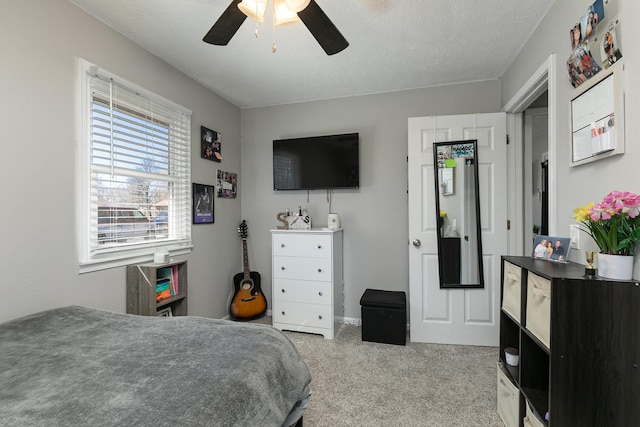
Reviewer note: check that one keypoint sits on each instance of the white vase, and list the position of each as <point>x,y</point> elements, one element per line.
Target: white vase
<point>619,267</point>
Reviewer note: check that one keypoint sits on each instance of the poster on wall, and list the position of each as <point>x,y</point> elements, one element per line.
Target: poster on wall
<point>202,204</point>
<point>210,144</point>
<point>227,185</point>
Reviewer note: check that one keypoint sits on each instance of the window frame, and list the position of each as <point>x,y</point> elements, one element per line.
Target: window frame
<point>90,257</point>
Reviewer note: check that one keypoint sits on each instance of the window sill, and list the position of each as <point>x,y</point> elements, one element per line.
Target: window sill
<point>121,260</point>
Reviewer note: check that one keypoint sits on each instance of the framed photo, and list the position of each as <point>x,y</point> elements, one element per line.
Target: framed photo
<point>210,144</point>
<point>165,312</point>
<point>551,248</point>
<point>202,204</point>
<point>227,184</point>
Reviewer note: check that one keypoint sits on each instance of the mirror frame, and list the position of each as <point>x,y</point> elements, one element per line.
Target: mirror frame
<point>439,233</point>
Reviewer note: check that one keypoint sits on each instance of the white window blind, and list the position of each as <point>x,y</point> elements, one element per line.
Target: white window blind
<point>138,172</point>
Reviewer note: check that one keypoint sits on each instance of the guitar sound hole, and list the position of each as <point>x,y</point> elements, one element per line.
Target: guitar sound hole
<point>246,286</point>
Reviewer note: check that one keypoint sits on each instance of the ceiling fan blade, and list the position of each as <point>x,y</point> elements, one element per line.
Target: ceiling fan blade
<point>226,26</point>
<point>321,27</point>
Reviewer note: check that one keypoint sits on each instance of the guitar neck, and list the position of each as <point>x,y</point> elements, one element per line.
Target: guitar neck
<point>245,259</point>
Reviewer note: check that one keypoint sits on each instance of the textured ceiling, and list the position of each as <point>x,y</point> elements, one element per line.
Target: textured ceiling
<point>394,45</point>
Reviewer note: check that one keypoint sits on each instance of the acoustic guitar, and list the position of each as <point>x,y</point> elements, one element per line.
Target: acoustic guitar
<point>248,301</point>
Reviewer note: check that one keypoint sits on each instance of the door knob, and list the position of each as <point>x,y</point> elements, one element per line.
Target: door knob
<point>416,243</point>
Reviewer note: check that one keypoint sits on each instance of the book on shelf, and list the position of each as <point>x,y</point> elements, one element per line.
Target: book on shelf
<point>174,271</point>
<point>170,274</point>
<point>163,288</point>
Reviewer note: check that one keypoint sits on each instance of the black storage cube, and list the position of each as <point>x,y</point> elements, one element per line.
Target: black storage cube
<point>384,316</point>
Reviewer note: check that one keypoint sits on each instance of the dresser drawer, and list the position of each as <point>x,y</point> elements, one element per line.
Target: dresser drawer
<point>295,313</point>
<point>314,269</point>
<point>302,245</point>
<point>302,291</point>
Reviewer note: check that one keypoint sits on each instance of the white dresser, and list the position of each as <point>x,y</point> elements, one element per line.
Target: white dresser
<point>307,280</point>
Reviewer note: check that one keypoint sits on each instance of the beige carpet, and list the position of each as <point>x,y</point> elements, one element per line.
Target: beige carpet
<point>358,383</point>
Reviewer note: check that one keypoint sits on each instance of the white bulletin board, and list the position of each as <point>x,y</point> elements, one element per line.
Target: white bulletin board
<point>597,117</point>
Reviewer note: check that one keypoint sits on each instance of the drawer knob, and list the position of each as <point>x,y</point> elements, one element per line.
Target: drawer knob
<point>319,270</point>
<point>282,268</point>
<point>283,291</point>
<point>282,245</point>
<point>320,317</point>
<point>319,293</point>
<point>319,246</point>
<point>283,313</point>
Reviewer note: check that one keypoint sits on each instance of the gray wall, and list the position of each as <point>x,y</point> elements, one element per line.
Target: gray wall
<point>590,182</point>
<point>375,216</point>
<point>38,258</point>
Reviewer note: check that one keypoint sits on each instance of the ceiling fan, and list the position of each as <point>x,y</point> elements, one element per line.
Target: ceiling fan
<point>308,11</point>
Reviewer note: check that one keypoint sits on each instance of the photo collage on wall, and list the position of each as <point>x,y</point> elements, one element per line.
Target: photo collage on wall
<point>590,35</point>
<point>227,185</point>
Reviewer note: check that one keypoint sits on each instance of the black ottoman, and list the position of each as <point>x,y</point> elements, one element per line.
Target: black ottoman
<point>384,316</point>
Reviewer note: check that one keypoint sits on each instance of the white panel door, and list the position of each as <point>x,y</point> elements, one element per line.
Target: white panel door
<point>456,316</point>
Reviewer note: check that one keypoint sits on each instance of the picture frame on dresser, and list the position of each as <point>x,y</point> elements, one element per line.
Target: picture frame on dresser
<point>550,248</point>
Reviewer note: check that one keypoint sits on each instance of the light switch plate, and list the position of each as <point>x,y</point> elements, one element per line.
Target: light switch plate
<point>574,236</point>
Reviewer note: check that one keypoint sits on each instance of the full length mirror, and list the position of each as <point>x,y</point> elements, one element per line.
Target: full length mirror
<point>458,214</point>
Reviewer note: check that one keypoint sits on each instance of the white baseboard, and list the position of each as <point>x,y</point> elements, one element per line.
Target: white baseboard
<point>356,321</point>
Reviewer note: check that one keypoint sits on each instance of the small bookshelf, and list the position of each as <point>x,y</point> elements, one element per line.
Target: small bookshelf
<point>157,289</point>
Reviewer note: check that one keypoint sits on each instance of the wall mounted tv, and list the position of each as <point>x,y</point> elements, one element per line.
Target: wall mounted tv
<point>317,162</point>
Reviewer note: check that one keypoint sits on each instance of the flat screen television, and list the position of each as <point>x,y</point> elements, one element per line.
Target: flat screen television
<point>317,162</point>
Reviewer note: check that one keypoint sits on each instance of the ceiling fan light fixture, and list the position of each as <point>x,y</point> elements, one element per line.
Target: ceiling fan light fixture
<point>254,9</point>
<point>283,15</point>
<point>296,5</point>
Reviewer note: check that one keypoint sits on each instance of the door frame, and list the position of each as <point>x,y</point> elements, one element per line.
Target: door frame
<point>544,78</point>
<point>530,115</point>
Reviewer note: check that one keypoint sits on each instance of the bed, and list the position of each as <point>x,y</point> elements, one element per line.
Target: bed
<point>76,366</point>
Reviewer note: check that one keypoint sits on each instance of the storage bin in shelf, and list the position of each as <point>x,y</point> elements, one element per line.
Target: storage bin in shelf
<point>530,419</point>
<point>508,397</point>
<point>511,292</point>
<point>539,307</point>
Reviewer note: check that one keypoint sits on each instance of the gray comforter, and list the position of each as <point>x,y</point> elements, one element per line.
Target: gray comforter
<point>76,366</point>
